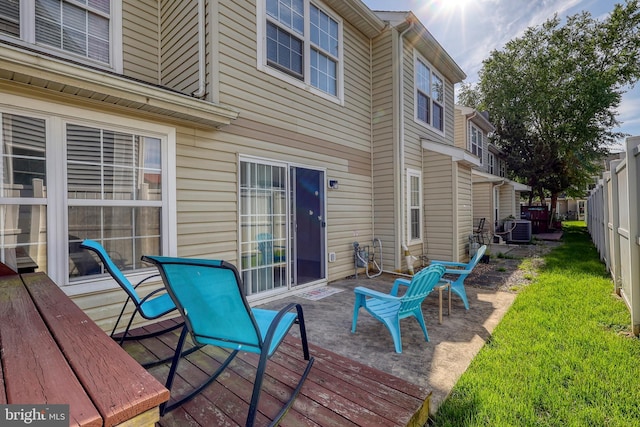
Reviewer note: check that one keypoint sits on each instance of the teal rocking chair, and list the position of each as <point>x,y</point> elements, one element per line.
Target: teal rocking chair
<point>209,294</point>
<point>462,270</point>
<point>390,308</point>
<point>152,306</point>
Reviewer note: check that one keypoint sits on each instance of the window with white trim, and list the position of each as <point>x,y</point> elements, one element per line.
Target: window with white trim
<point>111,183</point>
<point>414,205</point>
<point>476,141</point>
<point>302,40</point>
<point>429,90</point>
<point>503,168</point>
<point>491,159</point>
<point>81,28</point>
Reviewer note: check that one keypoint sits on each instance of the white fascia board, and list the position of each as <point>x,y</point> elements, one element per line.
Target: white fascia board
<point>456,154</point>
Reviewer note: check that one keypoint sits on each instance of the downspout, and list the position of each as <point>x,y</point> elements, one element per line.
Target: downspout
<point>201,53</point>
<point>497,201</point>
<point>402,192</point>
<point>371,142</point>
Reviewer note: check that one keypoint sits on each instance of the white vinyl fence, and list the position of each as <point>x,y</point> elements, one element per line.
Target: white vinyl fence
<point>613,221</point>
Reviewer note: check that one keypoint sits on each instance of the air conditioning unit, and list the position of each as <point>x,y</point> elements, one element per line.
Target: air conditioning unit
<point>520,230</point>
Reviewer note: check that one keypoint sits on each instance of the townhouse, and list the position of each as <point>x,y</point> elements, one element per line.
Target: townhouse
<point>267,133</point>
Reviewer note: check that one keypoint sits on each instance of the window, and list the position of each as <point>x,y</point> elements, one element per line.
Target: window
<point>263,225</point>
<point>114,194</point>
<point>503,168</point>
<point>303,42</point>
<point>476,142</point>
<point>414,205</point>
<point>10,17</point>
<point>109,184</point>
<point>23,207</point>
<point>429,95</point>
<point>82,28</point>
<point>491,166</point>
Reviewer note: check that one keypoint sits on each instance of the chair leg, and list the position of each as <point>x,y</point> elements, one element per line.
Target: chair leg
<point>394,328</point>
<point>126,331</point>
<point>303,332</point>
<point>458,289</point>
<point>418,315</point>
<point>149,335</point>
<point>257,385</point>
<point>356,309</point>
<point>165,407</point>
<point>124,306</point>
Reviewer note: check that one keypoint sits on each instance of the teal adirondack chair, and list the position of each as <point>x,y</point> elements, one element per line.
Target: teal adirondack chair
<point>390,308</point>
<point>462,270</point>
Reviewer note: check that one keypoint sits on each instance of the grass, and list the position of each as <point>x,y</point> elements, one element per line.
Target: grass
<point>561,356</point>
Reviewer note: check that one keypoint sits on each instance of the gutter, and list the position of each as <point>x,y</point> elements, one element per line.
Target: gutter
<point>201,53</point>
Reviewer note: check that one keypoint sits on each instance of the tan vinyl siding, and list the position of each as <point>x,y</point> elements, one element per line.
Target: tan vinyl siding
<point>438,206</point>
<point>280,121</point>
<point>460,130</point>
<point>348,208</point>
<point>465,211</point>
<point>507,202</point>
<point>440,239</point>
<point>384,152</point>
<point>140,47</point>
<point>483,204</point>
<point>179,41</point>
<point>270,100</point>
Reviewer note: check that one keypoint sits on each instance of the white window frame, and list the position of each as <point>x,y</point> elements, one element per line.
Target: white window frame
<point>491,166</point>
<point>305,83</point>
<point>411,174</point>
<point>479,147</point>
<point>28,36</point>
<point>417,58</point>
<point>502,168</point>
<point>56,202</point>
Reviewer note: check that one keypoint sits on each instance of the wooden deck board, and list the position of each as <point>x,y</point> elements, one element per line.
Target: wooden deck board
<point>338,392</point>
<point>122,390</point>
<point>23,363</point>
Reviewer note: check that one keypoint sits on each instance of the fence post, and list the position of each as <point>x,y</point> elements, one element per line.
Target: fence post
<point>606,195</point>
<point>614,203</point>
<point>633,175</point>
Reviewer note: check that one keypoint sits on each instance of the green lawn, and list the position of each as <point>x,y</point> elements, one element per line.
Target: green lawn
<point>562,355</point>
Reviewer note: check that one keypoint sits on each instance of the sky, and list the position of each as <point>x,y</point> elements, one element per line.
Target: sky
<point>470,29</point>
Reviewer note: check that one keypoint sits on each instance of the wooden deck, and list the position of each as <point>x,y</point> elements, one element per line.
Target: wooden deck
<point>338,391</point>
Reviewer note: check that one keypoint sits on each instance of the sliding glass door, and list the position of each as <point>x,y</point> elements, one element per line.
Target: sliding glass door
<point>282,234</point>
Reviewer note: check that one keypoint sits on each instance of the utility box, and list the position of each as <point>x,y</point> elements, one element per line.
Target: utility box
<point>521,232</point>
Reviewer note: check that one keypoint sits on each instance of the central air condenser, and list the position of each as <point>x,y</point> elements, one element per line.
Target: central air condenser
<point>520,231</point>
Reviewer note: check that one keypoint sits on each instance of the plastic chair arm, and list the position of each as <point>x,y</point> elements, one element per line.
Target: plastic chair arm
<point>457,271</point>
<point>374,294</point>
<point>449,263</point>
<point>397,283</point>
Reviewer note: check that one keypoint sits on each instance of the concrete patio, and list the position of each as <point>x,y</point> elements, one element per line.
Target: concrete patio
<point>436,364</point>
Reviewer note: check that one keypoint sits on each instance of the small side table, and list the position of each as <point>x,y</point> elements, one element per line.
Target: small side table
<point>441,287</point>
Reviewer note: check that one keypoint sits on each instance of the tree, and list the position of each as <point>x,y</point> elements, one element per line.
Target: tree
<point>552,95</point>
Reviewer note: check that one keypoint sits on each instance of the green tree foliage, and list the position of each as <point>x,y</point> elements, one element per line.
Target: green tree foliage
<point>552,95</point>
